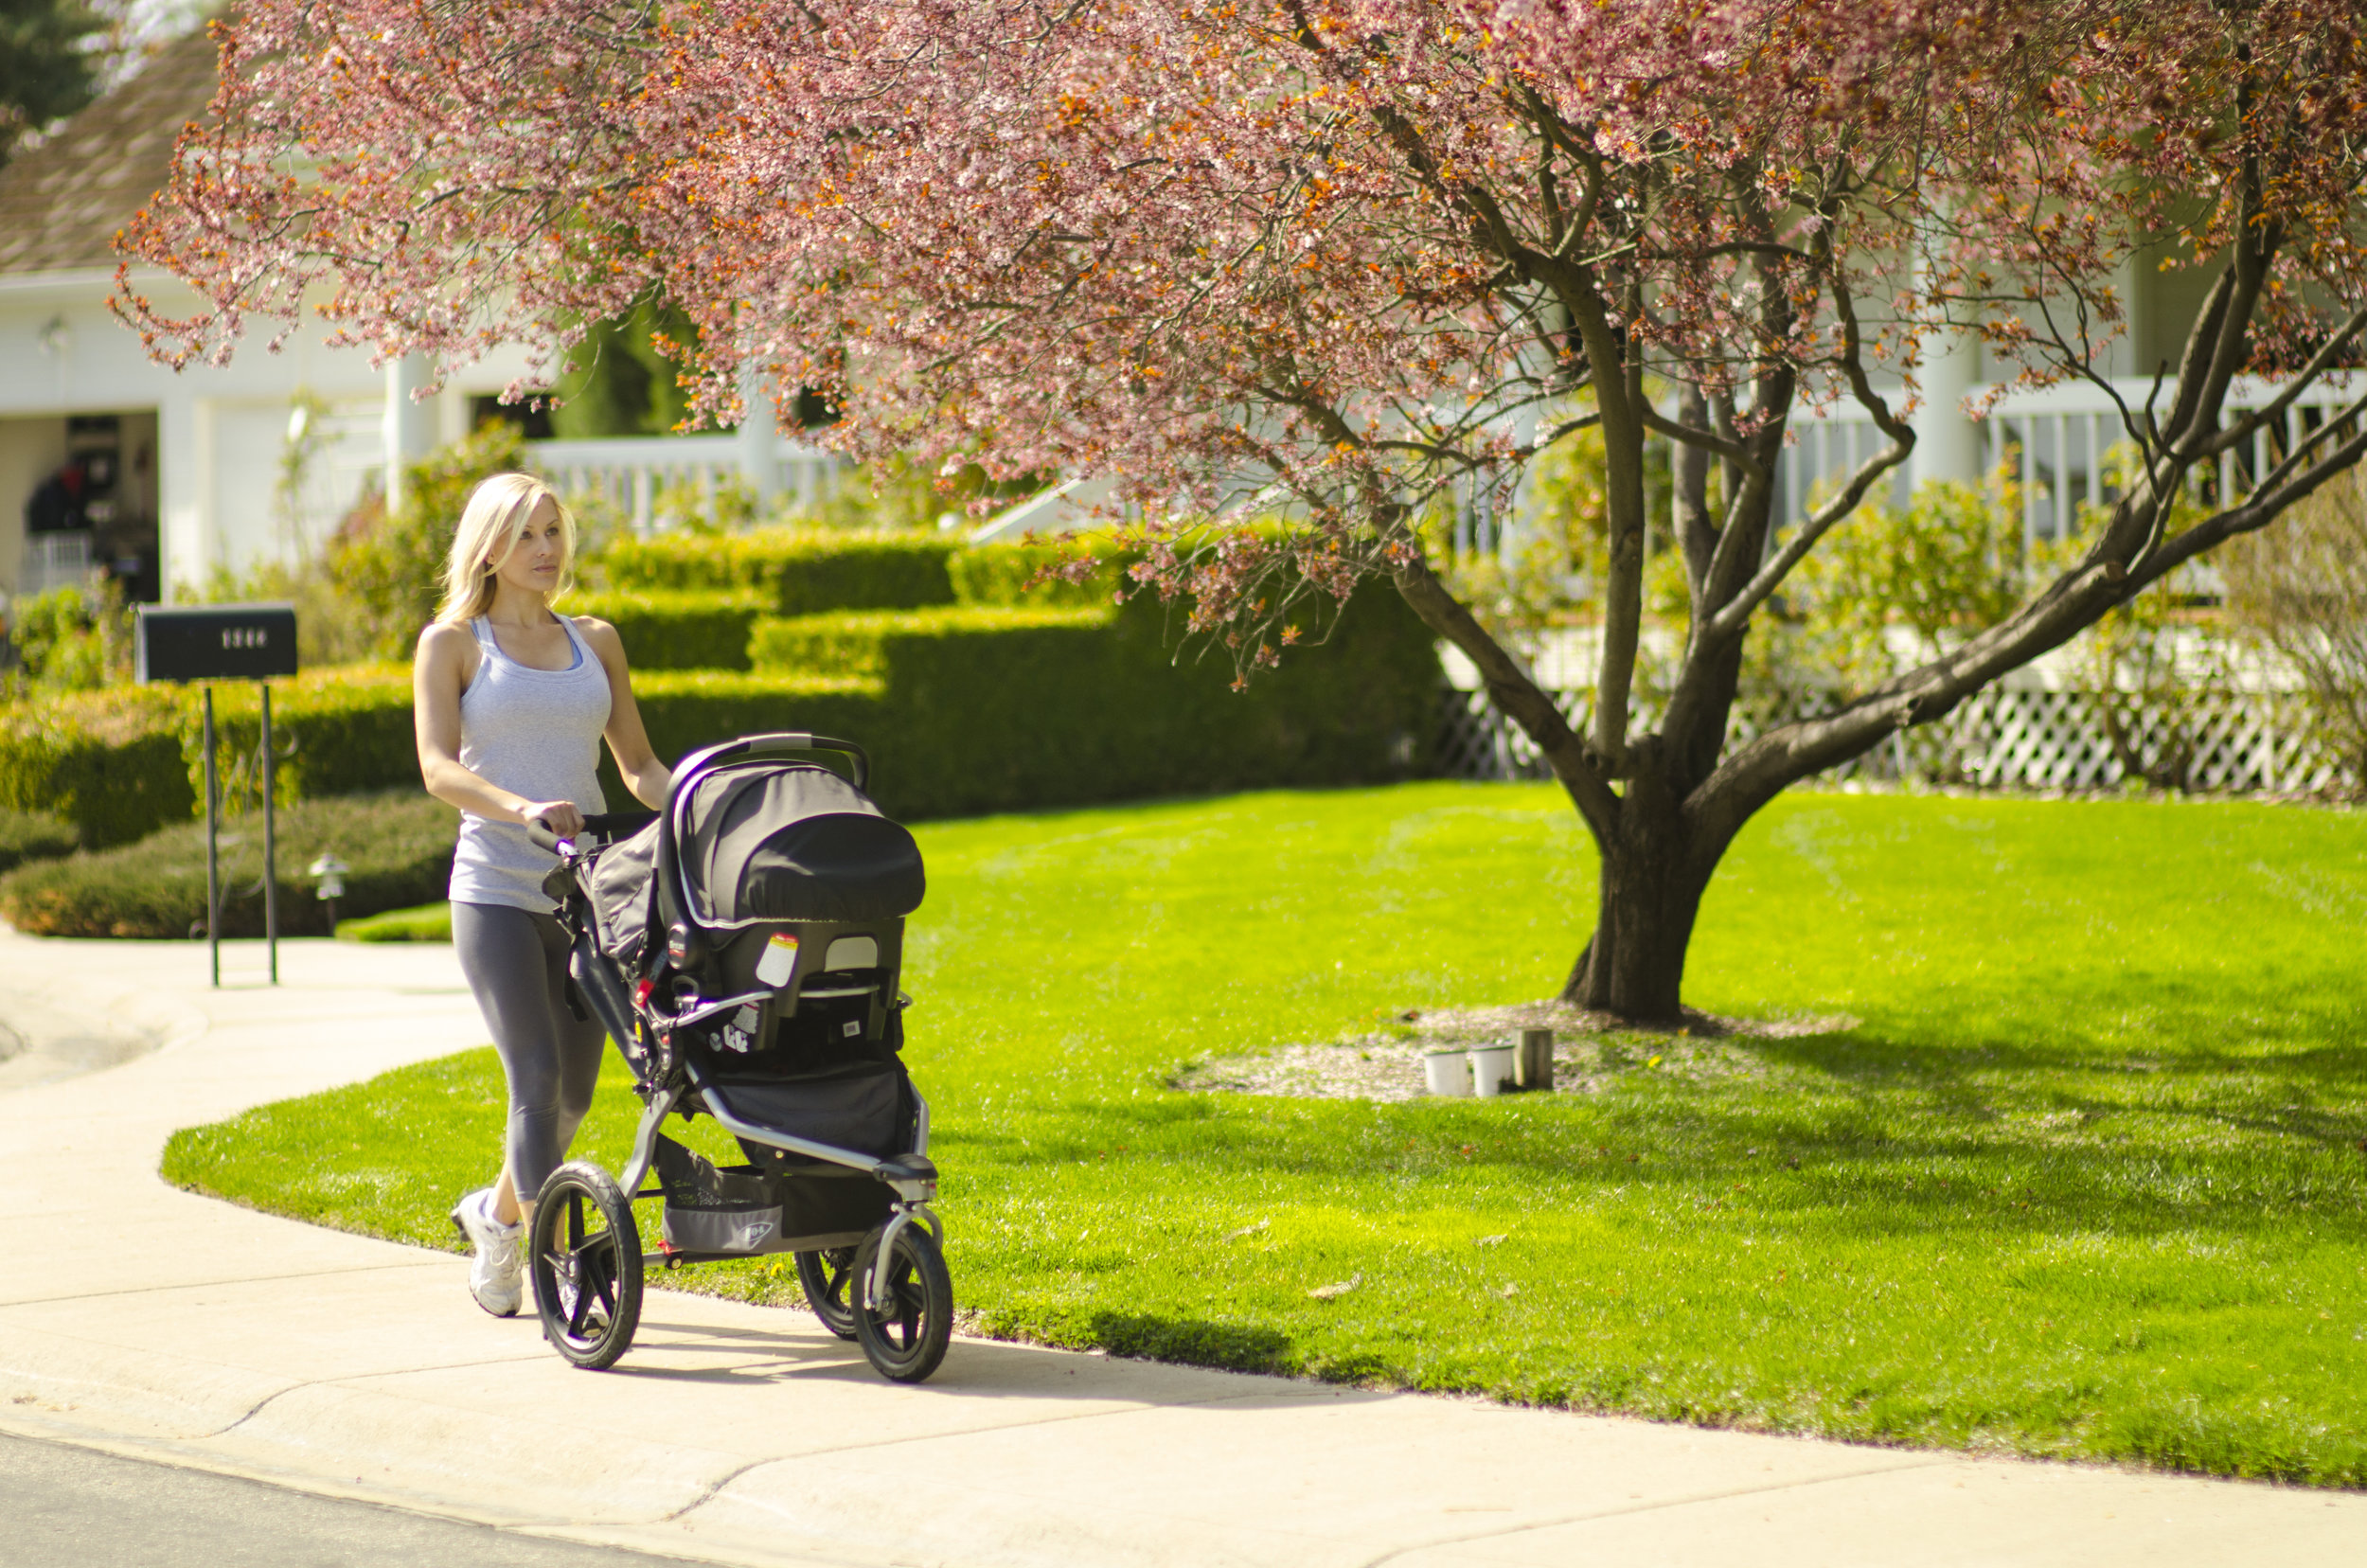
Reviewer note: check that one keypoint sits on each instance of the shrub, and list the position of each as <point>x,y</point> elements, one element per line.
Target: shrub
<point>108,762</point>
<point>427,922</point>
<point>397,845</point>
<point>999,573</point>
<point>678,628</point>
<point>386,566</point>
<point>854,642</point>
<point>2301,590</point>
<point>802,572</point>
<point>995,709</point>
<point>337,732</point>
<point>32,836</point>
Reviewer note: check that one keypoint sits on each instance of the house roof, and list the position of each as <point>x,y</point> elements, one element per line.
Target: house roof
<point>62,203</point>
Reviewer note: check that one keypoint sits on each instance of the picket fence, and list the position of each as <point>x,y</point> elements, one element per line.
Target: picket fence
<point>2217,741</point>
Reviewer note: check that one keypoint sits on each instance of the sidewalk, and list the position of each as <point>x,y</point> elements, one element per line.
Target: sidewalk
<point>145,1321</point>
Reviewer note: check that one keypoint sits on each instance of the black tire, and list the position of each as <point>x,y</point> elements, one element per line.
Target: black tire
<point>827,1279</point>
<point>903,1335</point>
<point>585,1259</point>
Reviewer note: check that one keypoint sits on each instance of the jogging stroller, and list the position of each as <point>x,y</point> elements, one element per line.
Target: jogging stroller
<point>742,948</point>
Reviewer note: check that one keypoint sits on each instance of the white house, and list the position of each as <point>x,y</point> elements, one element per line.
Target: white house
<point>183,474</point>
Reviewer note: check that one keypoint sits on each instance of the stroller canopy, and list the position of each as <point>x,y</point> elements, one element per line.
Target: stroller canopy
<point>776,841</point>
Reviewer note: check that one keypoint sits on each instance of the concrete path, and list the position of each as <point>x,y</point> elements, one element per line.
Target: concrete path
<point>147,1323</point>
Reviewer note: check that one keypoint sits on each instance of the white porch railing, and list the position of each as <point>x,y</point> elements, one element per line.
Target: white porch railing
<point>2062,435</point>
<point>629,470</point>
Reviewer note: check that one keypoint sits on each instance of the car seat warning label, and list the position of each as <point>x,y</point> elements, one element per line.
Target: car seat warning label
<point>780,960</point>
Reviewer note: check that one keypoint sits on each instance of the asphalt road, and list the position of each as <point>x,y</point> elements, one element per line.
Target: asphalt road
<point>62,1507</point>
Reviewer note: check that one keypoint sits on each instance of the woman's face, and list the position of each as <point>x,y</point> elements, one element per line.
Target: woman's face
<point>534,564</point>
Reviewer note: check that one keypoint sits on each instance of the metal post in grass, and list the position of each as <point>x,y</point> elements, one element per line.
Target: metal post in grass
<point>213,861</point>
<point>271,846</point>
<point>224,642</point>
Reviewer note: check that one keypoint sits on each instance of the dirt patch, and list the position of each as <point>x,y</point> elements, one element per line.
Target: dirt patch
<point>1589,1049</point>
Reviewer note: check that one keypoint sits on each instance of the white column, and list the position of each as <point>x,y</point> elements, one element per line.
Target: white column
<point>410,423</point>
<point>1946,444</point>
<point>759,434</point>
<point>185,490</point>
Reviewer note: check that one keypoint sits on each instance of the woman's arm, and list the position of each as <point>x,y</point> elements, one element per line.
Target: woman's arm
<point>446,660</point>
<point>644,775</point>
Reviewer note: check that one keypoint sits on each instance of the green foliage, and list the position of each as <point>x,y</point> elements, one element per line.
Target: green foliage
<point>996,708</point>
<point>1010,574</point>
<point>389,568</point>
<point>619,381</point>
<point>50,55</point>
<point>2022,1153</point>
<point>338,731</point>
<point>399,846</point>
<point>2298,589</point>
<point>33,836</point>
<point>72,639</point>
<point>855,642</point>
<point>427,922</point>
<point>108,762</point>
<point>1946,565</point>
<point>802,571</point>
<point>678,628</point>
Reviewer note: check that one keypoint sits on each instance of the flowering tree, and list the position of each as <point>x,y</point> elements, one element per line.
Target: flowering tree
<point>1353,256</point>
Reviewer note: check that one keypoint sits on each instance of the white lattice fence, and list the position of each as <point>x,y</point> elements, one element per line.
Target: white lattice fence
<point>2237,741</point>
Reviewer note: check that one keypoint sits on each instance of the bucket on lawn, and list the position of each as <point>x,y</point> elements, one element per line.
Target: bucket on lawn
<point>1491,1068</point>
<point>1447,1072</point>
<point>1535,1069</point>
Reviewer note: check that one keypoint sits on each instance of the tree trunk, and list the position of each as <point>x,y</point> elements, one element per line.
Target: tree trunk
<point>1652,882</point>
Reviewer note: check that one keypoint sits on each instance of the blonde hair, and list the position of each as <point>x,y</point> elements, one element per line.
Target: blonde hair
<point>489,528</point>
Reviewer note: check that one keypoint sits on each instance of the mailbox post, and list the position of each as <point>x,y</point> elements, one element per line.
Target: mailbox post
<point>225,642</point>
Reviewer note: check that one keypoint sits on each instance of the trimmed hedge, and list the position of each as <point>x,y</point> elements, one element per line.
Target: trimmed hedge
<point>801,571</point>
<point>399,846</point>
<point>999,573</point>
<point>33,836</point>
<point>983,709</point>
<point>107,762</point>
<point>854,642</point>
<point>678,628</point>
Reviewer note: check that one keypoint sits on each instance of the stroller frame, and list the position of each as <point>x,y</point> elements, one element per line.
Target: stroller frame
<point>894,1273</point>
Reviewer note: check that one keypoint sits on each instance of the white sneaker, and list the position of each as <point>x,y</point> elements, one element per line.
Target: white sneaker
<point>497,1274</point>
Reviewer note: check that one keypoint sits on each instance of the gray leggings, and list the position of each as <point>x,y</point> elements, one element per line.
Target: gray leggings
<point>516,961</point>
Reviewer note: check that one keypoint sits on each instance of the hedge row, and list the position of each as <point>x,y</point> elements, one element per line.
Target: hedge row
<point>801,571</point>
<point>987,705</point>
<point>33,836</point>
<point>678,628</point>
<point>399,846</point>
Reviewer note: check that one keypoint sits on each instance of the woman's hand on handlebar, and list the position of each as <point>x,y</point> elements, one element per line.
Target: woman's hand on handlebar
<point>560,816</point>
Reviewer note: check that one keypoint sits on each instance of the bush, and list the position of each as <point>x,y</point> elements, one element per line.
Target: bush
<point>397,845</point>
<point>387,567</point>
<point>109,763</point>
<point>33,836</point>
<point>999,573</point>
<point>2299,588</point>
<point>686,710</point>
<point>985,709</point>
<point>678,628</point>
<point>801,571</point>
<point>427,922</point>
<point>854,642</point>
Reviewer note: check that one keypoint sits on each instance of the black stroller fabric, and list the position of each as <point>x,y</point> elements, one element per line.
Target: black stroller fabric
<point>795,843</point>
<point>783,842</point>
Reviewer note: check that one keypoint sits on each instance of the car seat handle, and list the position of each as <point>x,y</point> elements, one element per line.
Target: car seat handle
<point>784,743</point>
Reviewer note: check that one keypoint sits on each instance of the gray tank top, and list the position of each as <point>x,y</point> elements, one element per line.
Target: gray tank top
<point>536,732</point>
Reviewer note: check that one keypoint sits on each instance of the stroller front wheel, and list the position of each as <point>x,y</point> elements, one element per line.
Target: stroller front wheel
<point>584,1256</point>
<point>827,1279</point>
<point>903,1330</point>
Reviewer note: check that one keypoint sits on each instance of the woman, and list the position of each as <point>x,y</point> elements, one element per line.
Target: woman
<point>510,700</point>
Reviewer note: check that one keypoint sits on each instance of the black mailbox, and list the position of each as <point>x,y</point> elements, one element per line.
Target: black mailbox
<point>217,642</point>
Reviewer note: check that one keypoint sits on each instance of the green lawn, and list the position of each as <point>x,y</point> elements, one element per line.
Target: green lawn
<point>2085,1181</point>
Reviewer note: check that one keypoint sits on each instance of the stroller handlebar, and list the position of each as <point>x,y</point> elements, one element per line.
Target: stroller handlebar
<point>605,825</point>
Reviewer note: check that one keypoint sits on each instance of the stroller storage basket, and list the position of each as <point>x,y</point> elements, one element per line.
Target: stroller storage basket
<point>736,1211</point>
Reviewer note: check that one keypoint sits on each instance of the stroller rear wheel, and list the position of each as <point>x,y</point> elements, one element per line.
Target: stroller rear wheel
<point>904,1331</point>
<point>585,1258</point>
<point>827,1279</point>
